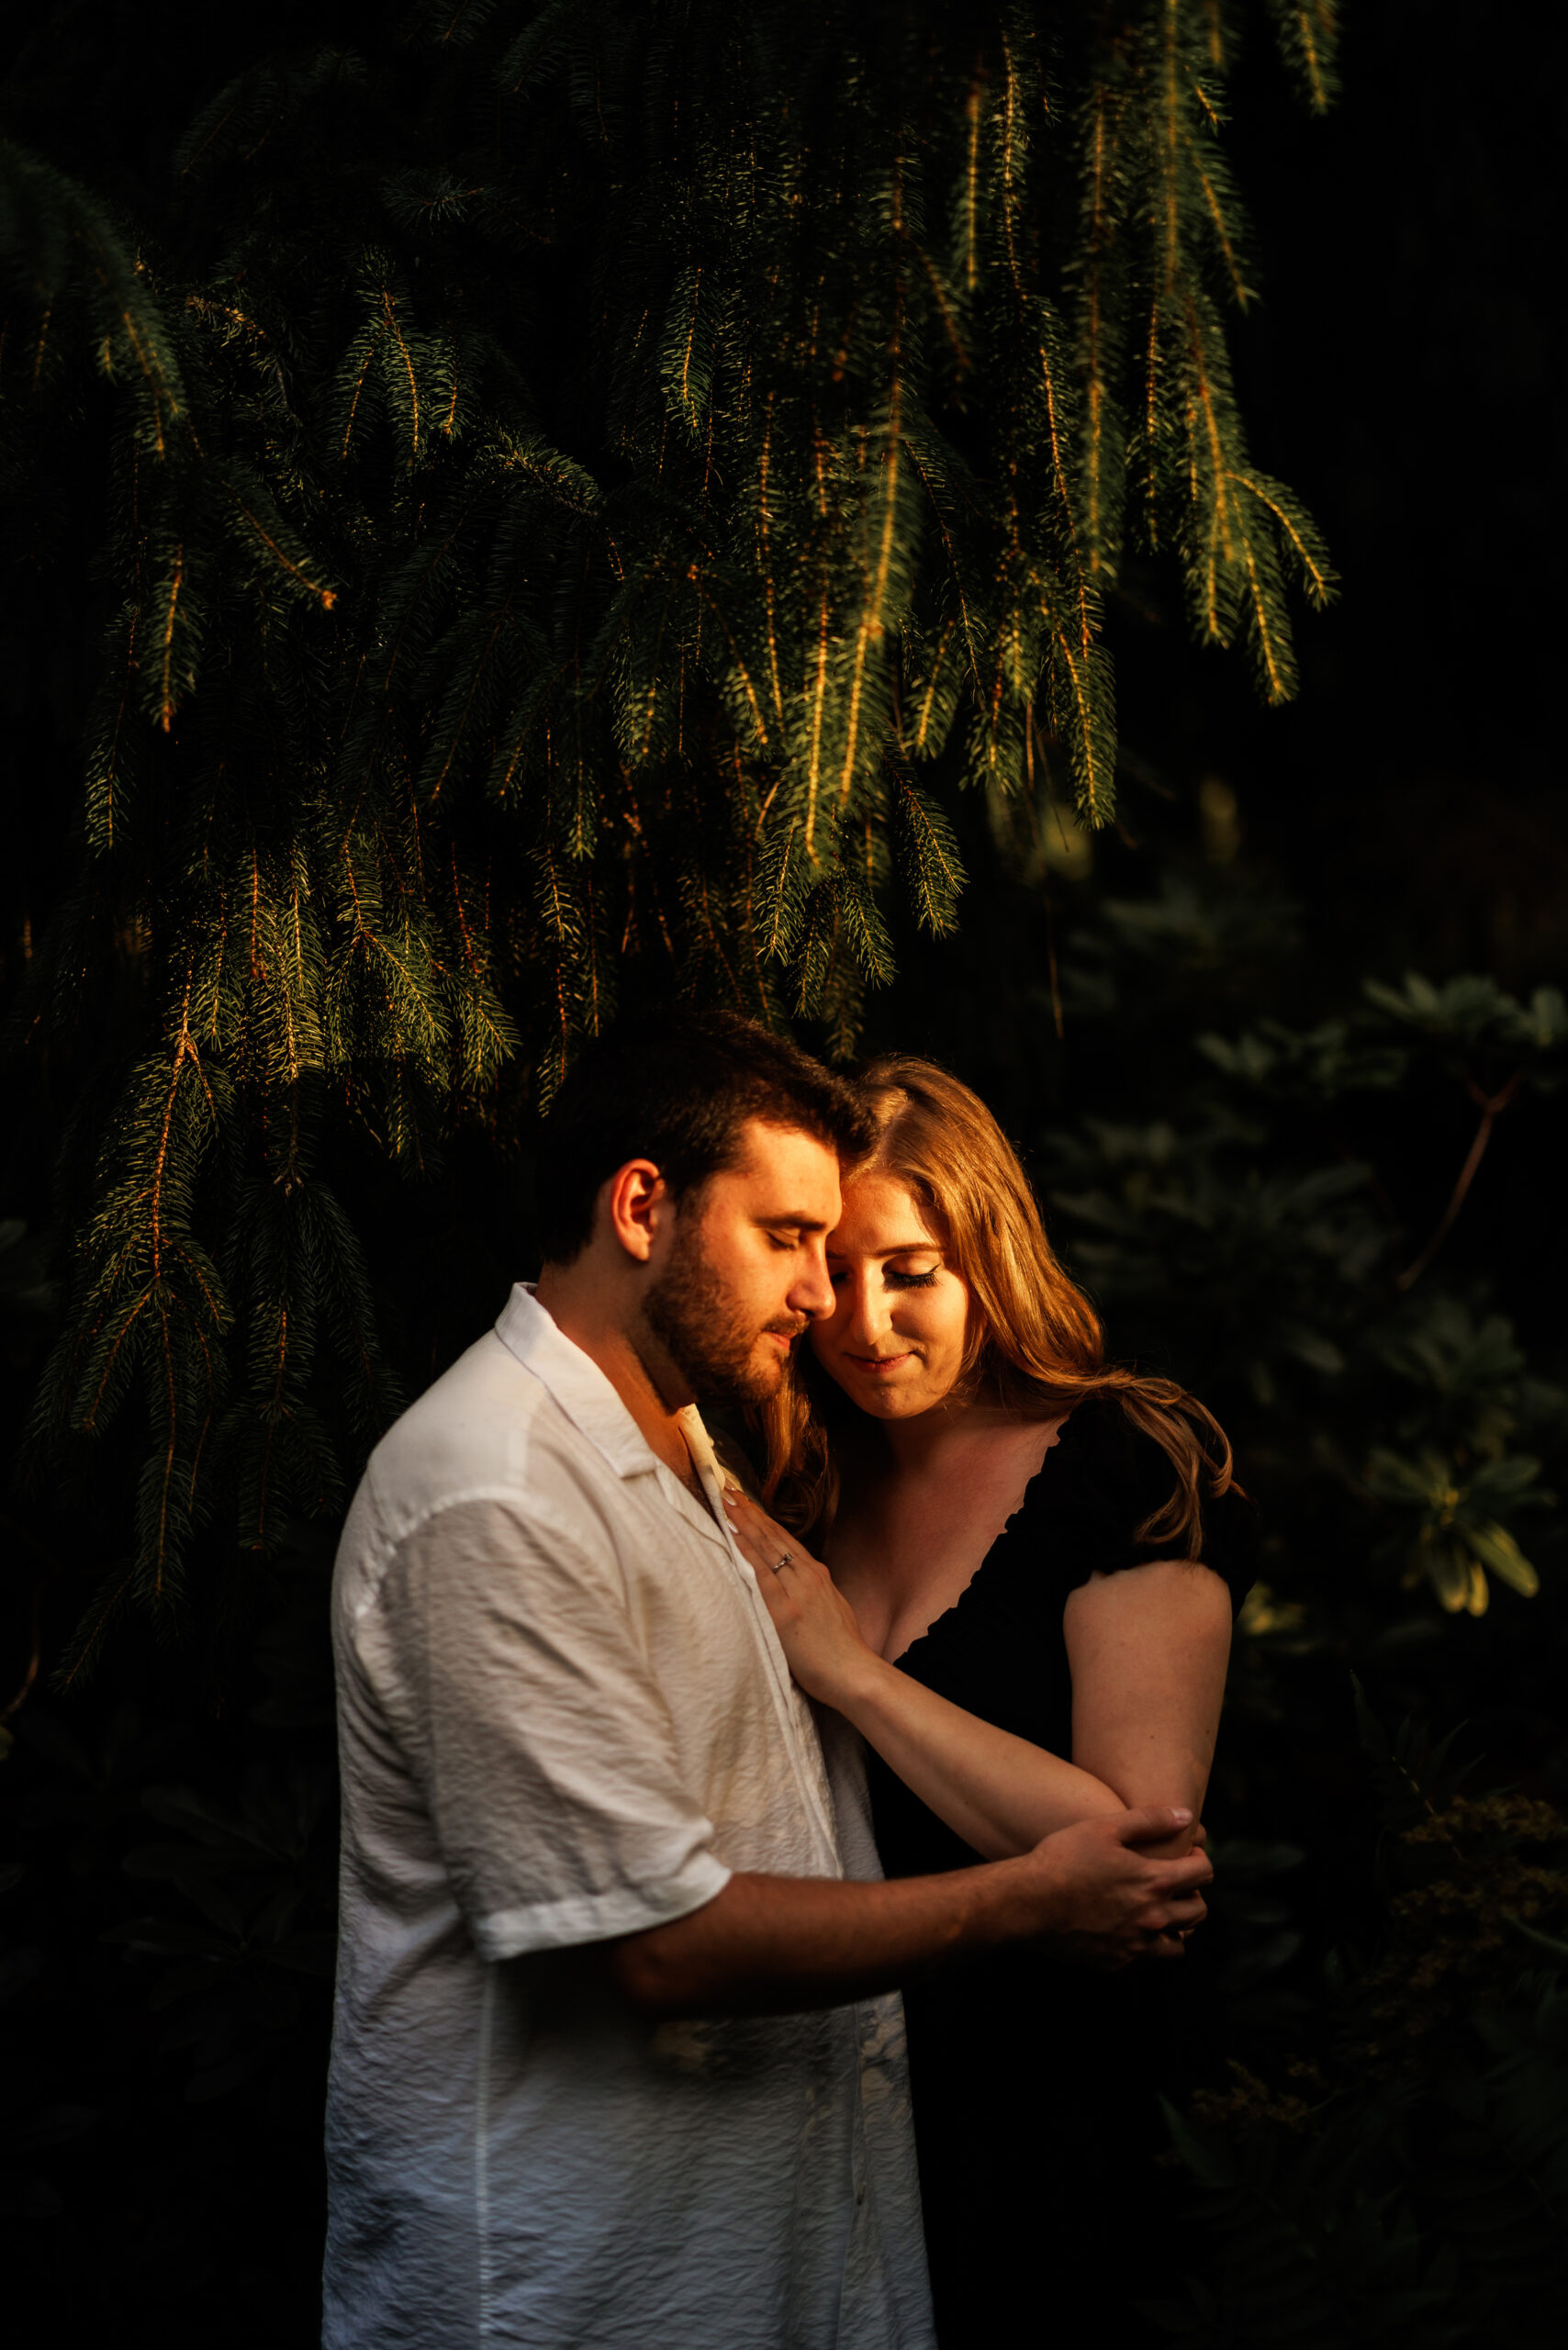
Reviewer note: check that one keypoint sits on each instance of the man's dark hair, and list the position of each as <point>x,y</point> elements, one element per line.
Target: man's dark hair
<point>677,1088</point>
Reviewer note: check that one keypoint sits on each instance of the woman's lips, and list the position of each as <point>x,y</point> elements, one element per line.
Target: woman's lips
<point>875,1365</point>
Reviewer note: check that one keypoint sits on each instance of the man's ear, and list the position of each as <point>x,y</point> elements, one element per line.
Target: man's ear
<point>636,1205</point>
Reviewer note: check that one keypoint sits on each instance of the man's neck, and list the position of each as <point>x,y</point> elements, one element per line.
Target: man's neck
<point>581,1313</point>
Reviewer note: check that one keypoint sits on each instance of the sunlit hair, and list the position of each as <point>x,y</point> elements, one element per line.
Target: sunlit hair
<point>1034,1340</point>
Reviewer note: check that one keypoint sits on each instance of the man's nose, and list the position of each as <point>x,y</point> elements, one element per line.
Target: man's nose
<point>812,1291</point>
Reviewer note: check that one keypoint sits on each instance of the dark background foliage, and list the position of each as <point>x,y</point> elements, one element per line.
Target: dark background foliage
<point>1242,1151</point>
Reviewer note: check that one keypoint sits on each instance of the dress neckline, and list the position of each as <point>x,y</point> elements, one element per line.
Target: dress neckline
<point>936,1621</point>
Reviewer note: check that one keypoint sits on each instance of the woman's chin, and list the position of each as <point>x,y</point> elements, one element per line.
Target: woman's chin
<point>884,1397</point>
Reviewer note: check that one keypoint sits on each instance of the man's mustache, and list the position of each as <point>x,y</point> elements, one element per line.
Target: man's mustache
<point>789,1327</point>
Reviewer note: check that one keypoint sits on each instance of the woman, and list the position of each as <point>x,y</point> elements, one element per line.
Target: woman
<point>1031,1566</point>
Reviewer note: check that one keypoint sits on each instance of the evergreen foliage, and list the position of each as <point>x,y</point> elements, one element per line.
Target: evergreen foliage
<point>580,485</point>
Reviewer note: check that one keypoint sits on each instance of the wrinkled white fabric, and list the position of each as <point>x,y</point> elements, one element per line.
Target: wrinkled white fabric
<point>563,1715</point>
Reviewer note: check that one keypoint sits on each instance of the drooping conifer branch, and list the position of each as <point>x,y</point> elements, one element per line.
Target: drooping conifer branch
<point>658,497</point>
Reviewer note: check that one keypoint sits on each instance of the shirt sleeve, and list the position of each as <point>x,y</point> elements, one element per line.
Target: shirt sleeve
<point>536,1733</point>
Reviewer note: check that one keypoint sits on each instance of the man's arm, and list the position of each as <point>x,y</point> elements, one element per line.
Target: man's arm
<point>769,1945</point>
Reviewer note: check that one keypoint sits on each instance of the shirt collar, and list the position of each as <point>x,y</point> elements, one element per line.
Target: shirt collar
<point>583,1392</point>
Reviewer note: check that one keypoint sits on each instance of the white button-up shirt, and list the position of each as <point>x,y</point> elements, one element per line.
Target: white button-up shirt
<point>565,1715</point>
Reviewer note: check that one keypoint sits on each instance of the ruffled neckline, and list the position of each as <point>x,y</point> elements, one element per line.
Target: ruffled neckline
<point>1013,1517</point>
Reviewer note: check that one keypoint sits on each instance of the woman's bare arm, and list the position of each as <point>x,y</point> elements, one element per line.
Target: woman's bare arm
<point>1149,1647</point>
<point>1001,1794</point>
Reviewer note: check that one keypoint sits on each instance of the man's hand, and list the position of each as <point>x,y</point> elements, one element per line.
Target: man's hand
<point>1106,1903</point>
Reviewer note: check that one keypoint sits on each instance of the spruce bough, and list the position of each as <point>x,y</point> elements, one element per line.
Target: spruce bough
<point>584,483</point>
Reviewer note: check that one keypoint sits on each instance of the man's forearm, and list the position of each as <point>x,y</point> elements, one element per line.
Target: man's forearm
<point>769,1945</point>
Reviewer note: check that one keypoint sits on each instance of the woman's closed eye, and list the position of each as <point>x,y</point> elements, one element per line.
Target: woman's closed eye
<point>893,1277</point>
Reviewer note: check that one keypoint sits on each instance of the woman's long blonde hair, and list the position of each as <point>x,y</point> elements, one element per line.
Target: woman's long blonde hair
<point>1035,1342</point>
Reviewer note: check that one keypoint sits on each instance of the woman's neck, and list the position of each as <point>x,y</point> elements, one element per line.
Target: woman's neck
<point>929,1440</point>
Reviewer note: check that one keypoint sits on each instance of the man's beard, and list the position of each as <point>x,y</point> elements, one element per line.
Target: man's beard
<point>706,1337</point>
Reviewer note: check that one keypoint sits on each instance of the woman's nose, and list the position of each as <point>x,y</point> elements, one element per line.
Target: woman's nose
<point>869,1310</point>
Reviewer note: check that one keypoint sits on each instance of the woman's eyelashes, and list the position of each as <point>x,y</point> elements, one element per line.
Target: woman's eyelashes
<point>893,1277</point>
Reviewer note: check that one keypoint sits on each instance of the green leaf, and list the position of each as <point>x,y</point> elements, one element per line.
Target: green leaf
<point>1497,1550</point>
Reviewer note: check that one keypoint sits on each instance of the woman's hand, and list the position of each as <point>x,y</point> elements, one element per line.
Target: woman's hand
<point>813,1620</point>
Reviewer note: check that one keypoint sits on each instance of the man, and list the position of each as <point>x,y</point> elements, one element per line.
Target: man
<point>618,2061</point>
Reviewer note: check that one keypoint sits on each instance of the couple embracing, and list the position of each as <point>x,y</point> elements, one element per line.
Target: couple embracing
<point>668,1770</point>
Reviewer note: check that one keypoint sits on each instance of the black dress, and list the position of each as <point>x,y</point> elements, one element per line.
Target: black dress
<point>1033,2080</point>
